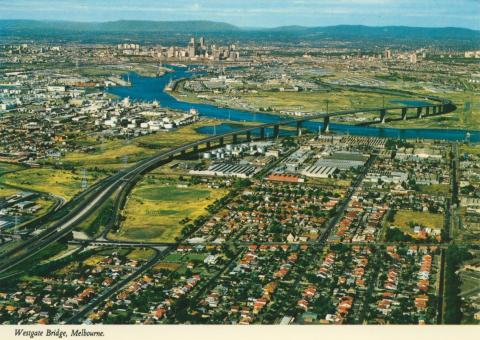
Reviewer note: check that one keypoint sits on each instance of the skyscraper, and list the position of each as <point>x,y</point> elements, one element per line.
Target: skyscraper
<point>413,58</point>
<point>191,48</point>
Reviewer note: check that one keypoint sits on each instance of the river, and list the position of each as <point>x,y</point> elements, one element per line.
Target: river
<point>150,89</point>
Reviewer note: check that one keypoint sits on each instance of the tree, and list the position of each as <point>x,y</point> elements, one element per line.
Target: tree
<point>454,256</point>
<point>396,235</point>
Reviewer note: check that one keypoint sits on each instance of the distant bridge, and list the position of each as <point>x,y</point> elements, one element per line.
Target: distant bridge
<point>438,107</point>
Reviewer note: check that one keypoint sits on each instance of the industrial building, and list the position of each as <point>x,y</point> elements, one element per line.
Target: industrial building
<point>318,171</point>
<point>343,160</point>
<point>228,169</point>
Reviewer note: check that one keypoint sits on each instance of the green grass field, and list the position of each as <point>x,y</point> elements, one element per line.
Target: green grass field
<point>7,191</point>
<point>52,181</point>
<point>45,206</point>
<point>141,254</point>
<point>473,149</point>
<point>7,167</point>
<point>434,189</point>
<point>302,101</point>
<point>108,153</point>
<point>153,212</point>
<point>405,218</point>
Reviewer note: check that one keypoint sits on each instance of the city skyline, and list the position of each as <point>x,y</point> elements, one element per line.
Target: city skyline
<point>430,13</point>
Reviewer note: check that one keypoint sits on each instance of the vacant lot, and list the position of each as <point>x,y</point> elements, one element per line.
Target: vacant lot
<point>154,211</point>
<point>7,191</point>
<point>301,101</point>
<point>110,152</point>
<point>435,189</point>
<point>62,183</point>
<point>141,254</point>
<point>405,218</point>
<point>8,167</point>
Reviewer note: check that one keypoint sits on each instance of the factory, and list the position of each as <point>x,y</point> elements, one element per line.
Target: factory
<point>386,176</point>
<point>226,169</point>
<point>296,159</point>
<point>237,151</point>
<point>318,171</point>
<point>342,160</point>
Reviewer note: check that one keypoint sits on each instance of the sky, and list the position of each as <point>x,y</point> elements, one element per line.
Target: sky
<point>256,13</point>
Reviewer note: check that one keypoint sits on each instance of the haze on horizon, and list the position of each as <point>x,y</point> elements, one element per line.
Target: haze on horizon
<point>256,13</point>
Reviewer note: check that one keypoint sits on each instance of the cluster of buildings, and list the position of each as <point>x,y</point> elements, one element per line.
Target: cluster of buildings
<point>361,221</point>
<point>240,161</point>
<point>239,261</point>
<point>196,50</point>
<point>256,281</point>
<point>271,212</point>
<point>144,118</point>
<point>17,208</point>
<point>332,287</point>
<point>49,108</point>
<point>58,295</point>
<point>153,297</point>
<point>469,192</point>
<point>472,54</point>
<point>385,194</point>
<point>411,298</point>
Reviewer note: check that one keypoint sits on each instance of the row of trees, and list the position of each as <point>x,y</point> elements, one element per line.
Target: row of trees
<point>454,256</point>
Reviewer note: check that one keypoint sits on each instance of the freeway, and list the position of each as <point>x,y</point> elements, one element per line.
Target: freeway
<point>89,201</point>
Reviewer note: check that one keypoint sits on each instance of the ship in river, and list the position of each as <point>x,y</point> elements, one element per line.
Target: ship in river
<point>170,85</point>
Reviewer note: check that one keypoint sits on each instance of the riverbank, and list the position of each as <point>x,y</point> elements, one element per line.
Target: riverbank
<point>150,89</point>
<point>467,115</point>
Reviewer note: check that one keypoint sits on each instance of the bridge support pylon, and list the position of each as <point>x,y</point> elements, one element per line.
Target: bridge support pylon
<point>427,110</point>
<point>299,129</point>
<point>326,124</point>
<point>419,112</point>
<point>249,136</point>
<point>208,145</point>
<point>235,139</point>
<point>383,113</point>
<point>221,141</point>
<point>404,113</point>
<point>276,131</point>
<point>262,133</point>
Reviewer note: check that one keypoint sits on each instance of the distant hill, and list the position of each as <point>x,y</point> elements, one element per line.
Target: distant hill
<point>166,31</point>
<point>126,26</point>
<point>387,32</point>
